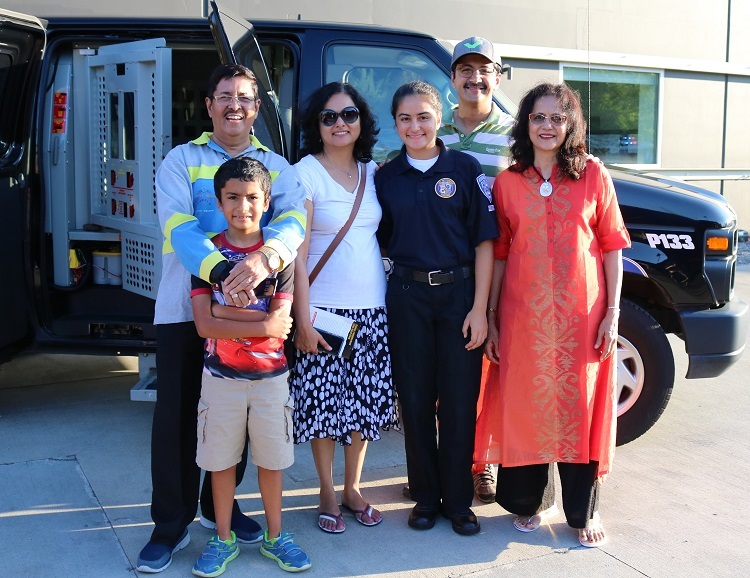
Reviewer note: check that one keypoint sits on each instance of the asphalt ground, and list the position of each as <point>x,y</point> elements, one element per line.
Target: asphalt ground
<point>75,490</point>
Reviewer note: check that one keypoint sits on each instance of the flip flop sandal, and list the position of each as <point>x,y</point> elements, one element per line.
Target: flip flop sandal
<point>543,515</point>
<point>368,511</point>
<point>593,523</point>
<point>589,544</point>
<point>336,519</point>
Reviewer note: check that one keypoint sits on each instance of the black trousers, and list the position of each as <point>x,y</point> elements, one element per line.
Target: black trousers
<point>527,490</point>
<point>432,366</point>
<point>175,477</point>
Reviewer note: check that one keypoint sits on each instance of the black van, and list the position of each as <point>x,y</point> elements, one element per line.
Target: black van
<point>91,105</point>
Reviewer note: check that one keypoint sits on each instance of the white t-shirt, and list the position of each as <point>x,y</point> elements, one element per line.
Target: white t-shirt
<point>422,165</point>
<point>353,277</point>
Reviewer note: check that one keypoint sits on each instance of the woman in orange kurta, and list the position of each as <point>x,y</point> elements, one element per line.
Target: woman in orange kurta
<point>554,306</point>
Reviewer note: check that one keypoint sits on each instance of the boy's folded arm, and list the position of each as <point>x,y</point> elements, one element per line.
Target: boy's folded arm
<point>209,326</point>
<point>236,313</point>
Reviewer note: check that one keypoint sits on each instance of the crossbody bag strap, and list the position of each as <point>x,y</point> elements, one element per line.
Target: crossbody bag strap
<point>340,235</point>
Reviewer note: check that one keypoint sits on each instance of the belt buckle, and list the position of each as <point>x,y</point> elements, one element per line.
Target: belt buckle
<point>429,278</point>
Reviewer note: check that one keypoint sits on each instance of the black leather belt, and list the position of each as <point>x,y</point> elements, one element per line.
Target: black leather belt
<point>440,277</point>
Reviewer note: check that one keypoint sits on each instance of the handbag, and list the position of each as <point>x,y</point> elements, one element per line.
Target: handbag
<point>290,351</point>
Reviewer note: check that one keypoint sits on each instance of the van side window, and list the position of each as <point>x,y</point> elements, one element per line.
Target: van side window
<point>281,64</point>
<point>376,72</point>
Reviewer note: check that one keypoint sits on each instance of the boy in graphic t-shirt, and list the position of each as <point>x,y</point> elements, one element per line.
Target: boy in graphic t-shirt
<point>244,388</point>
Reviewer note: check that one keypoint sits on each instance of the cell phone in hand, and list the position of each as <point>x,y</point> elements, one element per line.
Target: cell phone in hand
<point>267,287</point>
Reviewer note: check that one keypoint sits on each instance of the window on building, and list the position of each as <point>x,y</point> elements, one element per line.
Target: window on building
<point>376,72</point>
<point>623,117</point>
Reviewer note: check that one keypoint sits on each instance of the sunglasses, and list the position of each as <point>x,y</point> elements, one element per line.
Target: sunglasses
<point>539,119</point>
<point>349,115</point>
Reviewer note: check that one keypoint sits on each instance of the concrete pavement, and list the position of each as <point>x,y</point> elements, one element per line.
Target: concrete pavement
<point>75,490</point>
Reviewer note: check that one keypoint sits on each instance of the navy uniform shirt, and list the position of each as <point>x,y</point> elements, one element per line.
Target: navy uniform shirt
<point>434,220</point>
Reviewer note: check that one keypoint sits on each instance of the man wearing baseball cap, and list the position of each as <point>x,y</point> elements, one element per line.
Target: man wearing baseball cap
<point>478,127</point>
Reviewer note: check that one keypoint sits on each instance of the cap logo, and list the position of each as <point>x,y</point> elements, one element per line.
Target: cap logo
<point>477,43</point>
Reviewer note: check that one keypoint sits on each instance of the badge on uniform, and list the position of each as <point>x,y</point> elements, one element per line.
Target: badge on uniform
<point>484,187</point>
<point>445,188</point>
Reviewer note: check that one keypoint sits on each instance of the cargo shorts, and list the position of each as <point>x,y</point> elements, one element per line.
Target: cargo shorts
<point>230,409</point>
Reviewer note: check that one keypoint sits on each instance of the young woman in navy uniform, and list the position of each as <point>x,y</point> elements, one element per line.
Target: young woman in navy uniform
<point>437,228</point>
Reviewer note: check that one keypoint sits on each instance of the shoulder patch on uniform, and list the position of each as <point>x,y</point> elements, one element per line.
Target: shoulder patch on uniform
<point>445,188</point>
<point>484,187</point>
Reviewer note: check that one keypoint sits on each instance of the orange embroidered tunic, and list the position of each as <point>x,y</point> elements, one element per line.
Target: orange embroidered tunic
<point>550,399</point>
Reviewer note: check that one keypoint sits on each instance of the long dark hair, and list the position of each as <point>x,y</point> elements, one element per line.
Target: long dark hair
<point>310,125</point>
<point>571,158</point>
<point>416,88</point>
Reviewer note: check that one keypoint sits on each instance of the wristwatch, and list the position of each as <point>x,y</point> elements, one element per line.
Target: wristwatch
<point>274,261</point>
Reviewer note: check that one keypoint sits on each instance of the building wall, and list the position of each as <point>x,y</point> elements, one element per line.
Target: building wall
<point>693,132</point>
<point>669,28</point>
<point>738,147</point>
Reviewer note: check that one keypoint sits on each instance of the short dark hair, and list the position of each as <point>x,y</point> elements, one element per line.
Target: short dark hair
<point>245,169</point>
<point>310,125</point>
<point>226,71</point>
<point>418,88</point>
<point>571,158</point>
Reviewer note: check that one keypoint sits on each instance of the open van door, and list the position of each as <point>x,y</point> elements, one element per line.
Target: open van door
<point>22,43</point>
<point>237,44</point>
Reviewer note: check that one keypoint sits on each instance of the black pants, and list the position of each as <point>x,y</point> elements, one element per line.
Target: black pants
<point>175,477</point>
<point>527,490</point>
<point>432,366</point>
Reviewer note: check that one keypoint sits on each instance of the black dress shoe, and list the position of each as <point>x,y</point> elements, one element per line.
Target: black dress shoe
<point>423,517</point>
<point>464,523</point>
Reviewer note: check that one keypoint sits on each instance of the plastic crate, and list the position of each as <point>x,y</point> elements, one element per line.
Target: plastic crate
<point>141,264</point>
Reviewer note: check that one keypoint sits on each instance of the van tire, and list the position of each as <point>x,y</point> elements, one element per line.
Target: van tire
<point>645,372</point>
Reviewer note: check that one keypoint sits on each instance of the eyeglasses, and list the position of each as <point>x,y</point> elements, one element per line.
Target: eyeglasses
<point>470,71</point>
<point>539,119</point>
<point>349,115</point>
<point>243,101</point>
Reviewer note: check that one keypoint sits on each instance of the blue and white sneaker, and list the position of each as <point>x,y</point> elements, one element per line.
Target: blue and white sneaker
<point>216,555</point>
<point>157,557</point>
<point>287,554</point>
<point>247,530</point>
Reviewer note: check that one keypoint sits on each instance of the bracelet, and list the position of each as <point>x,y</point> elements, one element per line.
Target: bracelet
<point>613,308</point>
<point>491,310</point>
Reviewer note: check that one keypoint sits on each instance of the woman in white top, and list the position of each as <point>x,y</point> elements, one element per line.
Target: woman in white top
<point>340,400</point>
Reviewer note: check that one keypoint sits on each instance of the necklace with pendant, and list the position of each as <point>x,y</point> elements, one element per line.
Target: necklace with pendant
<point>342,171</point>
<point>545,189</point>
